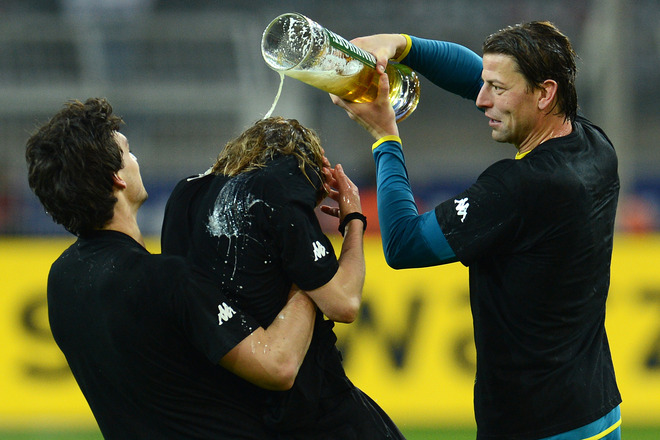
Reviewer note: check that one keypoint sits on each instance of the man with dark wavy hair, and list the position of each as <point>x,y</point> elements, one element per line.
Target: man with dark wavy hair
<point>535,231</point>
<point>153,344</point>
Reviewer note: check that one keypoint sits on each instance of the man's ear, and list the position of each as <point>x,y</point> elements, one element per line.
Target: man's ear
<point>118,181</point>
<point>548,94</point>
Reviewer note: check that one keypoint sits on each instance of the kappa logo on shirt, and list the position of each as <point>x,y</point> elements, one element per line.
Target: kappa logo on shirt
<point>225,314</point>
<point>462,207</point>
<point>319,250</point>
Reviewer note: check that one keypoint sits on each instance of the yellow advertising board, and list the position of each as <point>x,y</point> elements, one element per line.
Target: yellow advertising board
<point>34,379</point>
<point>411,348</point>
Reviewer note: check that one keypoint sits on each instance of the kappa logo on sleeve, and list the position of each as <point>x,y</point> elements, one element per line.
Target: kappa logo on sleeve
<point>462,207</point>
<point>226,313</point>
<point>319,250</point>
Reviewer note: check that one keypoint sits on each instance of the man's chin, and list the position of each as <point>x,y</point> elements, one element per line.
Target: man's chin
<point>144,198</point>
<point>495,136</point>
<point>498,136</point>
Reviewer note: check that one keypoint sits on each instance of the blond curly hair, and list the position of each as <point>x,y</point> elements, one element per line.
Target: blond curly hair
<point>267,139</point>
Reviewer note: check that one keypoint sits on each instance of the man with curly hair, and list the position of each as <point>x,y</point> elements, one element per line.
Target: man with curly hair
<point>250,223</point>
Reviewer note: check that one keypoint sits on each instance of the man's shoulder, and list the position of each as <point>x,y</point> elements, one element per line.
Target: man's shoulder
<point>503,169</point>
<point>192,184</point>
<point>592,131</point>
<point>282,179</point>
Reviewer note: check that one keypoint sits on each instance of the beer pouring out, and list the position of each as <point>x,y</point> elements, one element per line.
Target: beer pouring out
<point>300,48</point>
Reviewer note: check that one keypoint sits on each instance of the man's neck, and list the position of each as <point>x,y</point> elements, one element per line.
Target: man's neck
<point>558,128</point>
<point>133,232</point>
<point>124,220</point>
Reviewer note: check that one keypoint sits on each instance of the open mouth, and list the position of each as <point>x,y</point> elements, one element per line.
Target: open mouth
<point>493,122</point>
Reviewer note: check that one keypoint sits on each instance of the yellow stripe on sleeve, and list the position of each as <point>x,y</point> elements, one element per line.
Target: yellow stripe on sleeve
<point>406,50</point>
<point>385,139</point>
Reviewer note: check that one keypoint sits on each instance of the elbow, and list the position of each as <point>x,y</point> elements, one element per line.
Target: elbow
<point>394,260</point>
<point>351,312</point>
<point>394,264</point>
<point>283,383</point>
<point>347,313</point>
<point>283,375</point>
<point>340,299</point>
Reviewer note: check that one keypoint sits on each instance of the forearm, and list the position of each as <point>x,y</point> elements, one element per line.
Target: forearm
<point>340,298</point>
<point>450,66</point>
<point>291,331</point>
<point>270,358</point>
<point>409,239</point>
<point>352,266</point>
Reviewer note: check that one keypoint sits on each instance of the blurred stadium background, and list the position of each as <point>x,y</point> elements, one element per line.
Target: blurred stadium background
<point>187,75</point>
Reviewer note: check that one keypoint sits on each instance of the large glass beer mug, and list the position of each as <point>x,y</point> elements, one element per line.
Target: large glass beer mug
<point>298,47</point>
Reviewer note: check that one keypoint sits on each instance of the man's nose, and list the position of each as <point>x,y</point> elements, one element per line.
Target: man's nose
<point>483,100</point>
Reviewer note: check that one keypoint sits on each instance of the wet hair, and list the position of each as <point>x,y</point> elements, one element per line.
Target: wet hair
<point>71,162</point>
<point>270,138</point>
<point>541,52</point>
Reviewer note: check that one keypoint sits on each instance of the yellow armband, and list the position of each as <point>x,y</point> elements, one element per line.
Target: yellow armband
<point>385,139</point>
<point>406,50</point>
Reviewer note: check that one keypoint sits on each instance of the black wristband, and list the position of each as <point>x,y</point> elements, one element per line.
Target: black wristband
<point>352,216</point>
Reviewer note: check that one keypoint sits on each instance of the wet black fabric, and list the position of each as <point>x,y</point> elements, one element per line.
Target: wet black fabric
<point>537,235</point>
<point>143,335</point>
<point>256,234</point>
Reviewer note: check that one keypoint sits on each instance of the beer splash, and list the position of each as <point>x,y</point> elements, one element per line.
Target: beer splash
<point>277,97</point>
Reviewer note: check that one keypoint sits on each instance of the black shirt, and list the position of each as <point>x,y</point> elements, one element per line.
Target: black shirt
<point>143,335</point>
<point>256,234</point>
<point>537,236</point>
